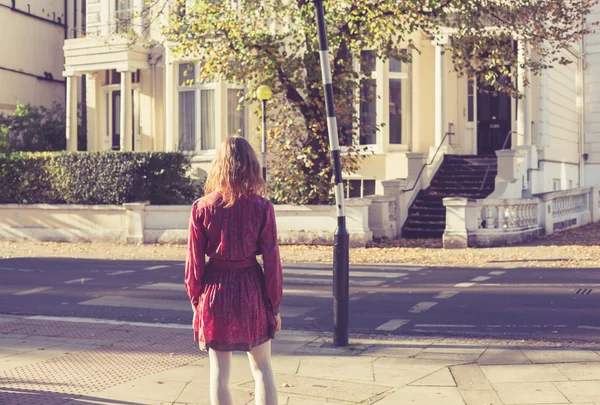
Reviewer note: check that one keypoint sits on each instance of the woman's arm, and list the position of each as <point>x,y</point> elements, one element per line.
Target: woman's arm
<point>194,264</point>
<point>269,247</point>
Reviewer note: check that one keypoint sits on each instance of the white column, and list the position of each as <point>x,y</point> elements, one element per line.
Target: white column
<point>438,101</point>
<point>524,106</point>
<point>169,144</point>
<point>71,108</point>
<point>126,119</point>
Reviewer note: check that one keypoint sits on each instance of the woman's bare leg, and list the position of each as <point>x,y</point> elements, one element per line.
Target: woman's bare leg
<point>260,363</point>
<point>220,365</point>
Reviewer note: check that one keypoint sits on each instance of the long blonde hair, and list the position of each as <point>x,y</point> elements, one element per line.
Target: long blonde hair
<point>235,172</point>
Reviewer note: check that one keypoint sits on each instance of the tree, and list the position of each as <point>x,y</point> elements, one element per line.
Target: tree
<point>274,42</point>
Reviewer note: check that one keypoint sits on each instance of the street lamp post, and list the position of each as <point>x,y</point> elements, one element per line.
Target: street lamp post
<point>264,94</point>
<point>341,255</point>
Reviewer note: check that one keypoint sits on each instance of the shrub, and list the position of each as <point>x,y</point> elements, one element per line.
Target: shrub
<point>96,178</point>
<point>37,128</point>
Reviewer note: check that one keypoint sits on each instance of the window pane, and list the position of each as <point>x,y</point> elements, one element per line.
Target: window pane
<point>368,187</point>
<point>395,111</point>
<point>368,111</point>
<point>236,116</point>
<point>187,73</point>
<point>124,4</point>
<point>207,119</point>
<point>368,61</point>
<point>187,120</point>
<point>355,186</point>
<point>395,65</point>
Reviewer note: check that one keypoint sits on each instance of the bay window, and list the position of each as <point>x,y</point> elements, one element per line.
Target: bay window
<point>197,112</point>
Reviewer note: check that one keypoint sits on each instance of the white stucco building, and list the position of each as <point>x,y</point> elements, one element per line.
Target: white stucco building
<point>31,57</point>
<point>550,138</point>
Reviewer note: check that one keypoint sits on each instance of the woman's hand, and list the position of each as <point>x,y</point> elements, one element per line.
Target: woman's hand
<point>277,323</point>
<point>194,309</point>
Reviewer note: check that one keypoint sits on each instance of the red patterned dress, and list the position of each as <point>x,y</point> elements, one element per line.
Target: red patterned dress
<point>236,299</point>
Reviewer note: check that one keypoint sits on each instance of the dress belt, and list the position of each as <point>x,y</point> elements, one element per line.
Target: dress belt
<point>219,264</point>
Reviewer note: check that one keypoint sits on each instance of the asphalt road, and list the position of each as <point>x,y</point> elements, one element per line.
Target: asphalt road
<point>505,303</point>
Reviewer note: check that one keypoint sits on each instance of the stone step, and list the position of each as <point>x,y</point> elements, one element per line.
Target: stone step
<point>410,233</point>
<point>416,224</point>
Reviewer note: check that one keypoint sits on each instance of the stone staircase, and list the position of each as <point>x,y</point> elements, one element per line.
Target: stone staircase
<point>458,176</point>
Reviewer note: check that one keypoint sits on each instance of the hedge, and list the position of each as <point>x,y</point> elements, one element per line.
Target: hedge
<point>96,178</point>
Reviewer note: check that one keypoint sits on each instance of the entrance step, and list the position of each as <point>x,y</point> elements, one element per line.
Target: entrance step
<point>457,176</point>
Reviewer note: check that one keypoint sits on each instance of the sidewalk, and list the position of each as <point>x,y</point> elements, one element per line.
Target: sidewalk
<point>51,362</point>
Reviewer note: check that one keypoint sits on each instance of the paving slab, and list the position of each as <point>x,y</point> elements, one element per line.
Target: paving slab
<point>561,355</point>
<point>470,377</point>
<point>529,393</point>
<point>400,372</point>
<point>424,396</point>
<point>523,373</point>
<point>392,351</point>
<point>580,391</point>
<point>481,397</point>
<point>339,368</point>
<point>304,401</point>
<point>440,378</point>
<point>580,371</point>
<point>326,389</point>
<point>503,356</point>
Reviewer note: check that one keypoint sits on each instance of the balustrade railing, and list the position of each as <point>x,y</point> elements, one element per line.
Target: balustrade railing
<point>507,214</point>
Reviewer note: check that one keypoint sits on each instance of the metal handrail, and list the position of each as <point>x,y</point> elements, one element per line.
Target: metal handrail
<point>506,139</point>
<point>485,177</point>
<point>430,163</point>
<point>508,135</point>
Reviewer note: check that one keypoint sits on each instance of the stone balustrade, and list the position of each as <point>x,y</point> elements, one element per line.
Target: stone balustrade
<point>496,222</point>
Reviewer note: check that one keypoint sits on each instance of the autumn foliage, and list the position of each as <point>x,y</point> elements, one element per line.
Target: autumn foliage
<point>274,42</point>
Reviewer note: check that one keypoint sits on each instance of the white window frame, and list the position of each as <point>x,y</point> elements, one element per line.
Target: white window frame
<point>375,75</point>
<point>382,77</point>
<point>196,88</point>
<point>405,77</point>
<point>237,87</point>
<point>362,186</point>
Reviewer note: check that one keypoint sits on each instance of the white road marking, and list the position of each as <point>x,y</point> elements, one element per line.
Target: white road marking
<point>422,307</point>
<point>78,280</point>
<point>106,321</point>
<point>433,325</point>
<point>162,266</point>
<point>15,269</point>
<point>117,301</point>
<point>163,286</point>
<point>480,278</point>
<point>464,285</point>
<point>309,319</point>
<point>446,294</point>
<point>307,293</point>
<point>286,291</point>
<point>118,273</point>
<point>530,285</point>
<point>325,281</point>
<point>374,274</point>
<point>393,324</point>
<point>172,305</point>
<point>589,327</point>
<point>496,273</point>
<point>33,291</point>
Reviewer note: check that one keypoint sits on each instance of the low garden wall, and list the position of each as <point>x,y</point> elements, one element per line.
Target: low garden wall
<point>145,223</point>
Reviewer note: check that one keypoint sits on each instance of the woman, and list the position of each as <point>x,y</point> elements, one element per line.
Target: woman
<point>235,302</point>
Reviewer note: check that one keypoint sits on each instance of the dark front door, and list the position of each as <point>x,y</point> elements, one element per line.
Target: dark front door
<point>493,120</point>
